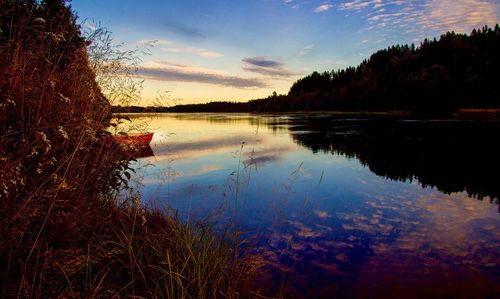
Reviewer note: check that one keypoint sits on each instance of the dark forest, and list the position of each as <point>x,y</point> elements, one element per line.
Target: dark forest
<point>438,77</point>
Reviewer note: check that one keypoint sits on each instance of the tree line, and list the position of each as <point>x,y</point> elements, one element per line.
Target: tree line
<point>439,76</point>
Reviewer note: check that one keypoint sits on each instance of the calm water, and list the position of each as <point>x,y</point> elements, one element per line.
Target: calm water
<point>345,207</point>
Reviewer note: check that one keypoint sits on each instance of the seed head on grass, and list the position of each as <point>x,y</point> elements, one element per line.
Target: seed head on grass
<point>64,232</point>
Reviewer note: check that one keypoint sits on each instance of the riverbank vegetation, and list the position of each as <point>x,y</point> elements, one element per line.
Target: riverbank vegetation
<point>64,231</point>
<point>438,77</point>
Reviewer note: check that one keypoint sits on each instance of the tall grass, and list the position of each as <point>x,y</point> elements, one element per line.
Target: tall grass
<point>63,231</point>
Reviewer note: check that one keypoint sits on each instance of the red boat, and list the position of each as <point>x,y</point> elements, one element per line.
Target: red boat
<point>136,139</point>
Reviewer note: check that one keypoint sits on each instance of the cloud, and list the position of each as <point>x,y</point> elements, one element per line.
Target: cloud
<point>188,150</point>
<point>260,160</point>
<point>170,46</point>
<point>305,231</point>
<point>322,214</point>
<point>427,18</point>
<point>262,62</point>
<point>378,17</point>
<point>354,5</point>
<point>306,50</point>
<point>154,42</point>
<point>449,231</point>
<point>197,51</point>
<point>267,67</point>
<point>295,4</point>
<point>266,155</point>
<point>458,15</point>
<point>203,170</point>
<point>166,71</point>
<point>183,30</point>
<point>323,8</point>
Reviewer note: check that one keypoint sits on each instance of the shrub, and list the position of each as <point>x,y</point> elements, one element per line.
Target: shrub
<point>63,233</point>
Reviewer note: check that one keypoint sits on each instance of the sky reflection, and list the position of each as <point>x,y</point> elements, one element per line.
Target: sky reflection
<point>322,218</point>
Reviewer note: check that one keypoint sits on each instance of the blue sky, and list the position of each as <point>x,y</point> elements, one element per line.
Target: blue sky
<point>237,50</point>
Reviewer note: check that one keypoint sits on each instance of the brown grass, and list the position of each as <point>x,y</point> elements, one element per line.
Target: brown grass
<point>63,232</point>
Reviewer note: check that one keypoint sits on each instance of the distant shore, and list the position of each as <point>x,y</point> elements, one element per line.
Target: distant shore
<point>465,113</point>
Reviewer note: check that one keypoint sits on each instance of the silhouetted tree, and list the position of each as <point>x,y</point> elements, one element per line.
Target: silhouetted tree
<point>439,76</point>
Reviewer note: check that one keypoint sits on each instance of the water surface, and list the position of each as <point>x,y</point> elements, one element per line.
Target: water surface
<point>345,207</point>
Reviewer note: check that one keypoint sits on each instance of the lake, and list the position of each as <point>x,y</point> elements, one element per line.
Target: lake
<point>341,206</point>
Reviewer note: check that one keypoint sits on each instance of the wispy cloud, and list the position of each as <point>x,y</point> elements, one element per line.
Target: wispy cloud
<point>424,18</point>
<point>266,155</point>
<point>197,51</point>
<point>293,3</point>
<point>357,5</point>
<point>387,16</point>
<point>170,46</point>
<point>204,146</point>
<point>323,8</point>
<point>362,5</point>
<point>183,30</point>
<point>167,71</point>
<point>306,50</point>
<point>267,67</point>
<point>458,15</point>
<point>154,42</point>
<point>322,214</point>
<point>202,170</point>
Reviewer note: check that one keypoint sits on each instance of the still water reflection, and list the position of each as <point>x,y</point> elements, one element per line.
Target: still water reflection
<point>347,207</point>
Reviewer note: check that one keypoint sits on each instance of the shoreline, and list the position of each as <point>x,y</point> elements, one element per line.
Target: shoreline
<point>465,114</point>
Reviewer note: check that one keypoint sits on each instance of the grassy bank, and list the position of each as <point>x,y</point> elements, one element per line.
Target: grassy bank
<point>63,231</point>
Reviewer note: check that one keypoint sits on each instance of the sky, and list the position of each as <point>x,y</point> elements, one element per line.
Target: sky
<point>237,50</point>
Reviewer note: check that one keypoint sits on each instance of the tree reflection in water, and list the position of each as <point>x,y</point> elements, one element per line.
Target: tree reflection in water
<point>453,156</point>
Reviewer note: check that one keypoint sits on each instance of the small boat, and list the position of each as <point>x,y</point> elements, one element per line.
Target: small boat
<point>144,152</point>
<point>136,139</point>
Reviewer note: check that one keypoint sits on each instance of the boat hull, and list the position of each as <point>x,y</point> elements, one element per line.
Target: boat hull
<point>134,139</point>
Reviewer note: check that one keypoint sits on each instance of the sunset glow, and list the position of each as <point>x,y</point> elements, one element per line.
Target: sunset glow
<point>240,50</point>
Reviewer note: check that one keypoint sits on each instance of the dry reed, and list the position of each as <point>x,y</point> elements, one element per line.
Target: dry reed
<point>63,232</point>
